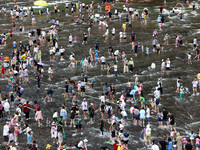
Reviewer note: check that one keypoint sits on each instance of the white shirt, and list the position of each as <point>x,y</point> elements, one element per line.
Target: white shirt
<point>55,115</point>
<point>163,64</point>
<point>43,33</point>
<point>81,144</point>
<point>148,131</point>
<point>19,111</point>
<point>155,147</point>
<point>103,59</point>
<point>148,113</point>
<point>85,62</point>
<point>5,130</point>
<point>109,107</point>
<point>35,49</point>
<point>70,38</point>
<point>113,31</point>
<point>168,64</point>
<point>6,107</point>
<point>189,56</point>
<point>121,126</point>
<point>195,83</point>
<point>102,98</point>
<point>124,113</point>
<point>17,13</point>
<point>84,105</point>
<point>157,92</point>
<point>116,52</point>
<point>62,50</point>
<point>115,67</point>
<point>123,105</point>
<point>120,34</point>
<point>195,41</point>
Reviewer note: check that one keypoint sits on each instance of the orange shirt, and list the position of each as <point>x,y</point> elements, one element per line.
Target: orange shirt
<point>7,59</point>
<point>13,22</point>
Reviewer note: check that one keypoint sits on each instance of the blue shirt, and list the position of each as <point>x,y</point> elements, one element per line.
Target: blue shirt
<point>30,138</point>
<point>63,113</point>
<point>169,145</point>
<point>142,114</point>
<point>14,44</point>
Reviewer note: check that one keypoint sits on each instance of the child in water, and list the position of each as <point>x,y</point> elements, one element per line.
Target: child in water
<point>181,93</point>
<point>48,122</point>
<point>147,50</point>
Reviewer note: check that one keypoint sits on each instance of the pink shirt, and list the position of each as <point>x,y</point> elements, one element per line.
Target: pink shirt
<point>197,141</point>
<point>79,87</point>
<point>16,130</point>
<point>38,115</point>
<point>36,106</point>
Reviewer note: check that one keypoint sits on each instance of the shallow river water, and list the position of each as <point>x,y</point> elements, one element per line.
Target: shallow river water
<point>186,111</point>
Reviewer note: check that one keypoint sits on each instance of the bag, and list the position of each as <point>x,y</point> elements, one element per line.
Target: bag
<point>21,90</point>
<point>109,110</point>
<point>126,134</point>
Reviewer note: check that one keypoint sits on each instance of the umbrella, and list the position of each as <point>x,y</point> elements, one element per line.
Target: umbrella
<point>40,3</point>
<point>41,64</point>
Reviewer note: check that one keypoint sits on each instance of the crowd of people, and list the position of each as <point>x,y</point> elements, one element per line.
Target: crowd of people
<point>111,112</point>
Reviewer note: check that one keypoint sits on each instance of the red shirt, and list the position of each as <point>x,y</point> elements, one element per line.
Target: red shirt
<point>26,108</point>
<point>10,31</point>
<point>115,145</point>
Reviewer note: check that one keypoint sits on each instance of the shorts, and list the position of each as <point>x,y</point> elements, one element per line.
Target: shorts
<point>85,39</point>
<point>142,117</point>
<point>78,126</point>
<point>167,68</point>
<point>83,89</point>
<point>62,54</point>
<point>159,119</point>
<point>91,115</point>
<point>5,138</point>
<point>103,63</point>
<point>124,117</point>
<point>72,116</point>
<point>148,136</point>
<point>137,117</point>
<point>166,120</point>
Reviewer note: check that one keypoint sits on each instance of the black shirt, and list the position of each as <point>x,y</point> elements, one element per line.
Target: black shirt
<point>38,32</point>
<point>172,120</point>
<point>163,145</point>
<point>165,115</point>
<point>188,146</point>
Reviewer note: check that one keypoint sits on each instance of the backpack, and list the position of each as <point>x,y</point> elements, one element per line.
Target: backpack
<point>21,90</point>
<point>109,110</point>
<point>126,134</point>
